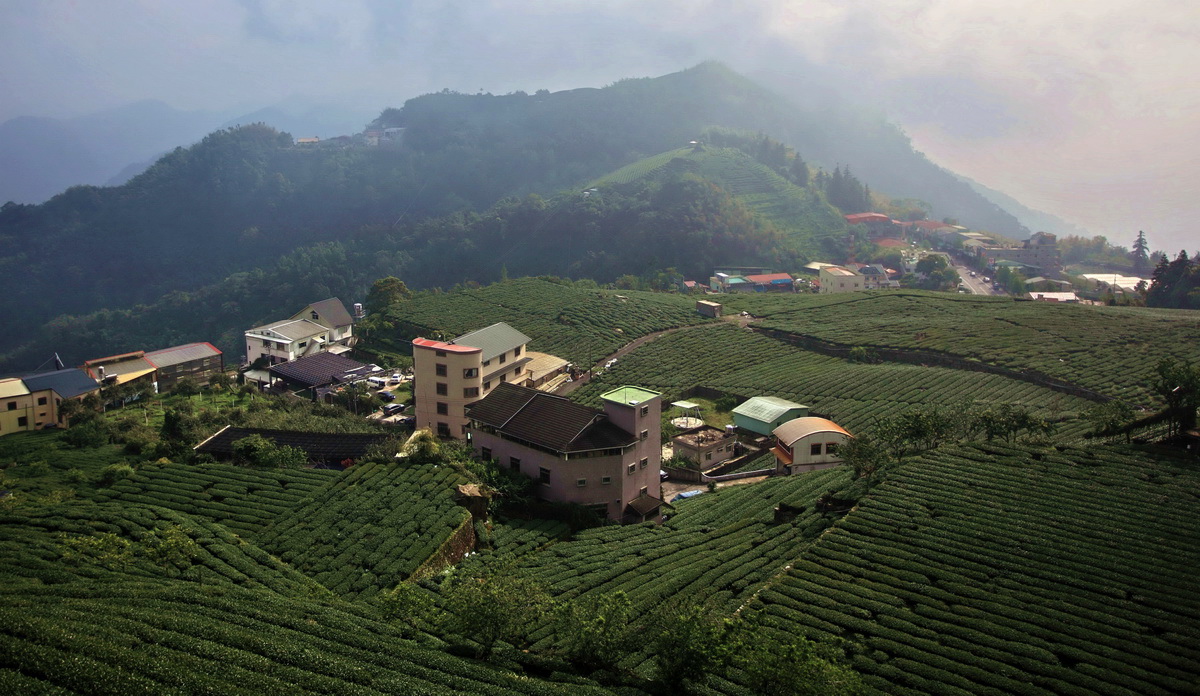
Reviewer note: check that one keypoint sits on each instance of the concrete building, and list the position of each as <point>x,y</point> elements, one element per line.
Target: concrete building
<point>762,414</point>
<point>319,327</point>
<point>607,460</point>
<point>449,375</point>
<point>706,445</point>
<point>840,279</point>
<point>1039,251</point>
<point>197,361</point>
<point>807,444</point>
<point>32,403</point>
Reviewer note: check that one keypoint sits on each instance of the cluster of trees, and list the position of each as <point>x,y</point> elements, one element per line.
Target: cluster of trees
<point>594,634</point>
<point>1175,284</point>
<point>932,273</point>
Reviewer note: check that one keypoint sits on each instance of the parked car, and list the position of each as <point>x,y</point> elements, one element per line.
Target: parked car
<point>387,396</point>
<point>407,421</point>
<point>393,409</point>
<point>396,378</point>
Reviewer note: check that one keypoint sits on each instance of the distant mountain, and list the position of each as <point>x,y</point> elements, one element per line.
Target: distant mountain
<point>1032,220</point>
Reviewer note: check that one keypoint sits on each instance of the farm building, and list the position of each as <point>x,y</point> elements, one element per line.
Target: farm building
<point>762,414</point>
<point>322,449</point>
<point>708,309</point>
<point>806,444</point>
<point>199,361</point>
<point>706,445</point>
<point>607,460</point>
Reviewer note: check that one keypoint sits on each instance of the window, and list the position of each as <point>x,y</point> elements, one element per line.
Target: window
<point>470,392</point>
<point>517,351</point>
<point>266,343</point>
<point>606,480</point>
<point>632,468</point>
<point>440,353</point>
<point>470,372</point>
<point>487,362</point>
<point>303,344</point>
<point>23,421</point>
<point>503,358</point>
<point>543,476</point>
<point>644,463</point>
<point>581,482</point>
<point>514,463</point>
<point>815,449</point>
<point>503,378</point>
<point>487,386</point>
<point>645,490</point>
<point>645,410</point>
<point>519,370</point>
<point>486,453</point>
<point>442,408</point>
<point>443,430</point>
<point>315,316</point>
<point>12,405</point>
<point>708,457</point>
<point>645,434</point>
<point>442,389</point>
<point>439,370</point>
<point>831,448</point>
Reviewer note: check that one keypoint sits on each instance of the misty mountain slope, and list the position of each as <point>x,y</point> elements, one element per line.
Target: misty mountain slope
<point>1032,220</point>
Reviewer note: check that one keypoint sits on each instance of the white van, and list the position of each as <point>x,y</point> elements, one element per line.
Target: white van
<point>377,382</point>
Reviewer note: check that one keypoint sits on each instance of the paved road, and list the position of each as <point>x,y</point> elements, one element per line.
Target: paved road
<point>976,284</point>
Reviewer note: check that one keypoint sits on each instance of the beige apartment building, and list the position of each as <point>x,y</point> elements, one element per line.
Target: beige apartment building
<point>449,375</point>
<point>840,279</point>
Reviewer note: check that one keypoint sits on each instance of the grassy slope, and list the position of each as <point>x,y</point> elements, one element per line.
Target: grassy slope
<point>801,214</point>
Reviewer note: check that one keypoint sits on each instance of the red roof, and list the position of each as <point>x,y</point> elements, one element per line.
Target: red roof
<point>768,278</point>
<point>889,242</point>
<point>857,218</point>
<point>442,345</point>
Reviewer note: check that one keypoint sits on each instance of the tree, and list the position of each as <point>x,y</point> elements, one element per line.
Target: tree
<point>796,666</point>
<point>1109,417</point>
<point>596,631</point>
<point>1140,253</point>
<point>1178,383</point>
<point>864,455</point>
<point>692,641</point>
<point>384,293</point>
<point>407,604</point>
<point>489,609</point>
<point>256,450</point>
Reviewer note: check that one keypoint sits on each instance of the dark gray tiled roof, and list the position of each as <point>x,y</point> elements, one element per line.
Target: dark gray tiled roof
<point>550,421</point>
<point>320,369</point>
<point>493,340</point>
<point>67,383</point>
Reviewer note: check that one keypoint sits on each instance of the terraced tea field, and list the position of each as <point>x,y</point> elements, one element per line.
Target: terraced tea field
<point>986,569</point>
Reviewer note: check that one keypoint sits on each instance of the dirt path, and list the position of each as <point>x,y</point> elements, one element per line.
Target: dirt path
<point>624,350</point>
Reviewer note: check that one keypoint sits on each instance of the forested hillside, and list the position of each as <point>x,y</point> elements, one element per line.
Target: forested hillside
<point>241,198</point>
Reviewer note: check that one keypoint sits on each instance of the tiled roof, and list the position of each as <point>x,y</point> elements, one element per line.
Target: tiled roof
<point>66,383</point>
<point>550,421</point>
<point>493,340</point>
<point>182,354</point>
<point>644,504</point>
<point>319,369</point>
<point>333,312</point>
<point>318,446</point>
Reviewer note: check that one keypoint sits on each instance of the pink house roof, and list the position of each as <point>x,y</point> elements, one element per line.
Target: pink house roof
<point>442,345</point>
<point>856,218</point>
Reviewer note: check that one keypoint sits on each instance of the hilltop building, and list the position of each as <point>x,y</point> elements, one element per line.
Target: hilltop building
<point>607,460</point>
<point>319,327</point>
<point>840,279</point>
<point>32,403</point>
<point>449,375</point>
<point>197,361</point>
<point>762,414</point>
<point>806,444</point>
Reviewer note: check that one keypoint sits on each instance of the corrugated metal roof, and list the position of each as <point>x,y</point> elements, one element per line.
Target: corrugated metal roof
<point>12,387</point>
<point>291,329</point>
<point>793,430</point>
<point>182,354</point>
<point>493,340</point>
<point>332,311</point>
<point>766,408</point>
<point>130,366</point>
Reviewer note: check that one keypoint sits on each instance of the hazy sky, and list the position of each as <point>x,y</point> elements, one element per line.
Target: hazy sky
<point>1089,109</point>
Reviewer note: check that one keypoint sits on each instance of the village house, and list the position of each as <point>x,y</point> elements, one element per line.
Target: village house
<point>607,460</point>
<point>840,279</point>
<point>323,326</point>
<point>32,402</point>
<point>807,444</point>
<point>449,375</point>
<point>762,414</point>
<point>706,445</point>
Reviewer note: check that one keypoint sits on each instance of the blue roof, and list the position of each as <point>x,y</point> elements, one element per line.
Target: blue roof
<point>67,383</point>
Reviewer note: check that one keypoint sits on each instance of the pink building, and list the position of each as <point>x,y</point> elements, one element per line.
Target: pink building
<point>607,460</point>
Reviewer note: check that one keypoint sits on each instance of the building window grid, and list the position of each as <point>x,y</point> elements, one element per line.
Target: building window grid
<point>439,369</point>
